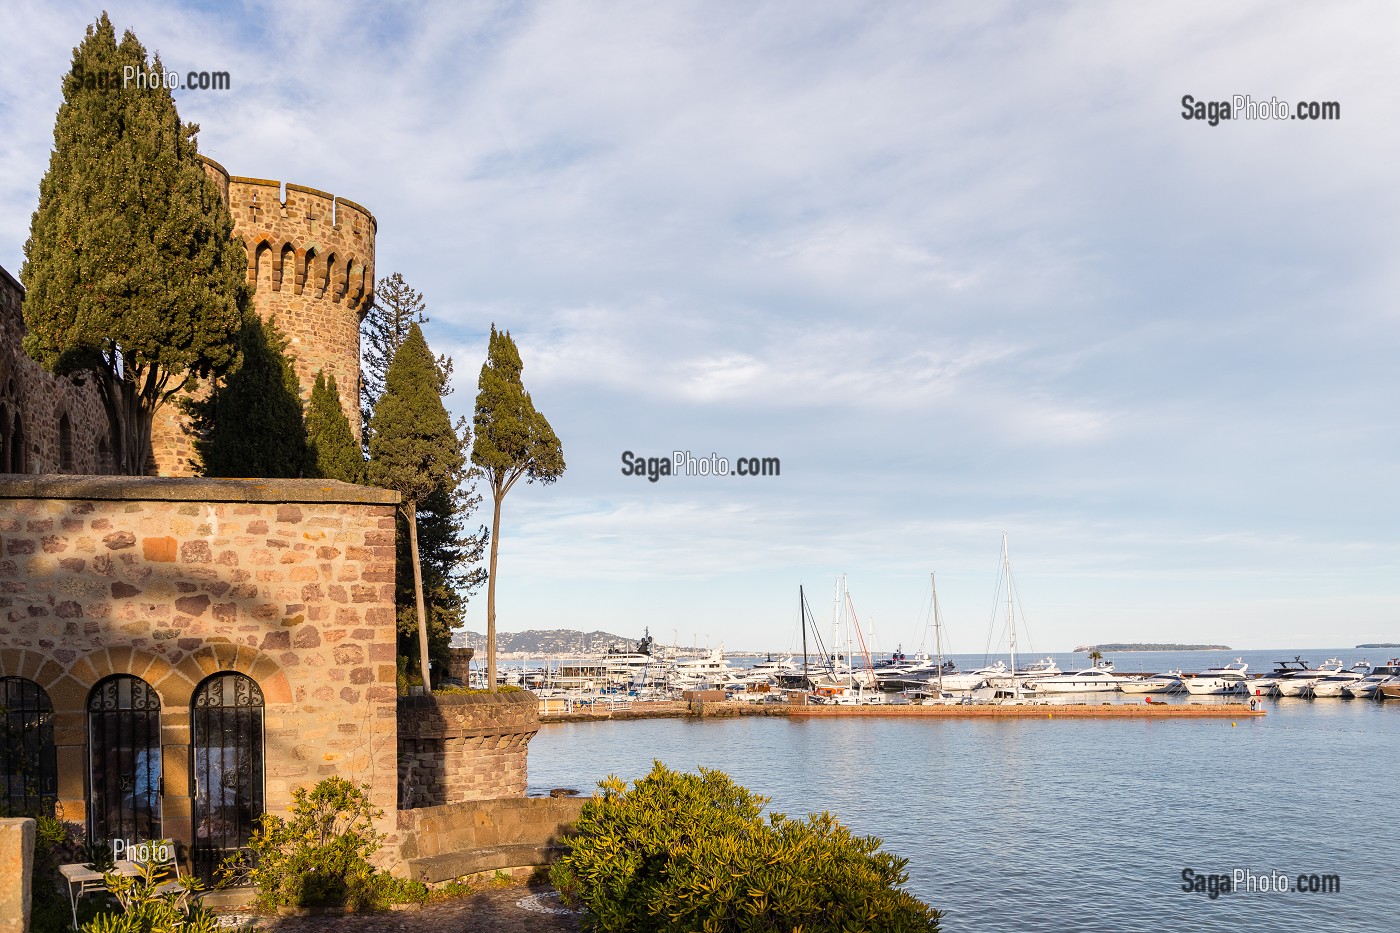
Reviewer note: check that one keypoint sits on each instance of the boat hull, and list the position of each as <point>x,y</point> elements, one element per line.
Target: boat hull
<point>1210,687</point>
<point>1139,687</point>
<point>1041,686</point>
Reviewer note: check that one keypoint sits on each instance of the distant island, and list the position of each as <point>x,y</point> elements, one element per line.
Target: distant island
<point>1380,644</point>
<point>553,642</point>
<point>1127,646</point>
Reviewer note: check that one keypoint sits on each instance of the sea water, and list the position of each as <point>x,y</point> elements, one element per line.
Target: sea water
<point>1074,824</point>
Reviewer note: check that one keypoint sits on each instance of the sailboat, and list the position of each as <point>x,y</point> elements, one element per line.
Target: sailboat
<point>1011,687</point>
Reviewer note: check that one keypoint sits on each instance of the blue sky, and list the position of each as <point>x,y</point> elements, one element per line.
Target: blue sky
<point>963,267</point>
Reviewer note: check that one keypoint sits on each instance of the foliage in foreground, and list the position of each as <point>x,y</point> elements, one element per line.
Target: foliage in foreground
<point>695,852</point>
<point>321,856</point>
<point>145,908</point>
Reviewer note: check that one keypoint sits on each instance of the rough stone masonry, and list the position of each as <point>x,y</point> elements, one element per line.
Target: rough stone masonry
<point>289,582</point>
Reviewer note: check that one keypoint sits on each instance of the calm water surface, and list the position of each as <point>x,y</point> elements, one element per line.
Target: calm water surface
<point>1062,825</point>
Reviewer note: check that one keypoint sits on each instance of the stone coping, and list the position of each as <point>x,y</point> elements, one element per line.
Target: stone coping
<point>522,698</point>
<point>14,282</point>
<point>190,489</point>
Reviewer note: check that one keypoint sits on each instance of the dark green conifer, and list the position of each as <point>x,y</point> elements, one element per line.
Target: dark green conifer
<point>330,444</point>
<point>131,270</point>
<point>414,450</point>
<point>512,440</point>
<point>251,424</point>
<point>397,307</point>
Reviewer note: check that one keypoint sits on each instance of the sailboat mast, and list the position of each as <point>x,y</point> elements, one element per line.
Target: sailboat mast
<point>937,631</point>
<point>1010,614</point>
<point>802,612</point>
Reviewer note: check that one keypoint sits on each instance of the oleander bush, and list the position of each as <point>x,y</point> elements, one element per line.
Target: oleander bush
<point>695,852</point>
<point>321,856</point>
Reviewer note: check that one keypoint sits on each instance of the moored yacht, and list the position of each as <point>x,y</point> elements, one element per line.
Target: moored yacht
<point>1217,681</point>
<point>1368,687</point>
<point>1300,683</point>
<point>1167,682</point>
<point>1045,667</point>
<point>1267,685</point>
<point>1334,685</point>
<point>1089,680</point>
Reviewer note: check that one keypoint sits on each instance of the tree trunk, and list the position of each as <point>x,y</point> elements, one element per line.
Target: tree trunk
<point>497,495</point>
<point>412,507</point>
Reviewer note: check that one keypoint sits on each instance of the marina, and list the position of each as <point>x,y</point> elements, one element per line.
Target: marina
<point>1010,823</point>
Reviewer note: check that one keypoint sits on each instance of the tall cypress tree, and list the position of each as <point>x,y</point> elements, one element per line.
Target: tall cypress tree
<point>251,424</point>
<point>131,270</point>
<point>450,554</point>
<point>414,450</point>
<point>331,449</point>
<point>512,440</point>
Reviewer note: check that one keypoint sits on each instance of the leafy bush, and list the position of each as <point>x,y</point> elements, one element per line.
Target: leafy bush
<point>458,691</point>
<point>694,852</point>
<point>146,909</point>
<point>320,857</point>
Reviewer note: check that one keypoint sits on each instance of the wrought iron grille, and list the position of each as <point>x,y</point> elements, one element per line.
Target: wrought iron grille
<point>28,757</point>
<point>226,768</point>
<point>124,760</point>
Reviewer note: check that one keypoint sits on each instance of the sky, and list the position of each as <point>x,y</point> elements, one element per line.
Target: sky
<point>964,268</point>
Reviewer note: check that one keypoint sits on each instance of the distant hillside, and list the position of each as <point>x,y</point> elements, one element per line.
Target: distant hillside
<point>1380,644</point>
<point>538,642</point>
<point>1147,646</point>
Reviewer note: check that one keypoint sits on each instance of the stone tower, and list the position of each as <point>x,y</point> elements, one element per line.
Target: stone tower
<point>311,268</point>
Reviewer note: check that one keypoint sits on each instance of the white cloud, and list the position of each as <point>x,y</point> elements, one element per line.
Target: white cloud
<point>965,269</point>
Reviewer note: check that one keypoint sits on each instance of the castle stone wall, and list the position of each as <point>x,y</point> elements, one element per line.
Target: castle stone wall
<point>311,267</point>
<point>48,424</point>
<point>290,582</point>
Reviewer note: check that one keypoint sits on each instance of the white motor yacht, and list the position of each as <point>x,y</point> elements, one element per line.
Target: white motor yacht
<point>1089,680</point>
<point>1045,667</point>
<point>1217,681</point>
<point>1300,684</point>
<point>1168,682</point>
<point>1266,685</point>
<point>1334,685</point>
<point>770,670</point>
<point>1368,687</point>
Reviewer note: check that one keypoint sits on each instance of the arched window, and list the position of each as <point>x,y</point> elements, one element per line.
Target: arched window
<point>28,757</point>
<point>226,767</point>
<point>124,764</point>
<point>65,444</point>
<point>4,439</point>
<point>19,463</point>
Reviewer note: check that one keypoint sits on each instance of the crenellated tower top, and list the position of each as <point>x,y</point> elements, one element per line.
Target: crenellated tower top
<point>311,268</point>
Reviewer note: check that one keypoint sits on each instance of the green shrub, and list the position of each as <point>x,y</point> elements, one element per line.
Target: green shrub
<point>694,852</point>
<point>144,909</point>
<point>458,691</point>
<point>320,857</point>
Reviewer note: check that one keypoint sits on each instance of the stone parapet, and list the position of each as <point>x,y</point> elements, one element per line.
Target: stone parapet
<point>455,748</point>
<point>455,840</point>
